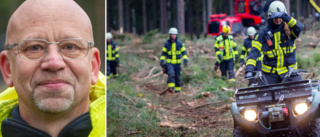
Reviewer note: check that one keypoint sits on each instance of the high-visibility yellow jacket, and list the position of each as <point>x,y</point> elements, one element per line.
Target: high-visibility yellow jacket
<point>172,52</point>
<point>279,50</point>
<point>226,47</point>
<point>247,44</point>
<point>9,99</point>
<point>112,51</point>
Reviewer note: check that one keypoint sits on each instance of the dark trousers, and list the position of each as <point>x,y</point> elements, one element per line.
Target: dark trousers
<point>227,65</point>
<point>273,78</point>
<point>111,68</point>
<point>174,76</point>
<point>257,68</point>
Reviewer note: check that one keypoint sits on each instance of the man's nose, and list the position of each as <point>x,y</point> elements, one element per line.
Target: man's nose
<point>53,60</point>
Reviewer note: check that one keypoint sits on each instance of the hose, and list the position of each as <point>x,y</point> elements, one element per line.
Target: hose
<point>262,123</point>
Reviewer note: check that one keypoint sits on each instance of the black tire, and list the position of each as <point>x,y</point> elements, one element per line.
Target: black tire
<point>315,128</point>
<point>238,132</point>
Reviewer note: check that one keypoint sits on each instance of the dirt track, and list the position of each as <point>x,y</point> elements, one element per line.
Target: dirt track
<point>183,112</point>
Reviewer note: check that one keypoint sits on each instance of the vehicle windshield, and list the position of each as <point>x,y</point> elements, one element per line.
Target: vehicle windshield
<point>214,27</point>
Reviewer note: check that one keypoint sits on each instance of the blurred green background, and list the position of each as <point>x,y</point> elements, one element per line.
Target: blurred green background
<point>94,8</point>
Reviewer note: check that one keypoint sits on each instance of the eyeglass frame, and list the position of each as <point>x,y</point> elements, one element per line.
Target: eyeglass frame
<point>90,45</point>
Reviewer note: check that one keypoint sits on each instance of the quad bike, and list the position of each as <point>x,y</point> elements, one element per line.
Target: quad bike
<point>283,109</point>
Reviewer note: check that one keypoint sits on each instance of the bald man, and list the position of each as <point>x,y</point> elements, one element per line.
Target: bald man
<point>52,67</point>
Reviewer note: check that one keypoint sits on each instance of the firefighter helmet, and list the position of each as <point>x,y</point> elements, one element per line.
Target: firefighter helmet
<point>108,36</point>
<point>173,31</point>
<point>226,29</point>
<point>251,31</point>
<point>276,6</point>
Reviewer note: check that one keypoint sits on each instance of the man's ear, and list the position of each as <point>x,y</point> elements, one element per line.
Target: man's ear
<point>5,68</point>
<point>95,64</point>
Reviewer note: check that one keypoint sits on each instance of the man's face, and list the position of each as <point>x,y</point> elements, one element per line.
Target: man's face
<point>225,34</point>
<point>251,37</point>
<point>53,84</point>
<point>108,40</point>
<point>173,36</point>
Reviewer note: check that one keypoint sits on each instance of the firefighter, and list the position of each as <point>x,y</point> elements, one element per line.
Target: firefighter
<point>277,42</point>
<point>226,52</point>
<point>112,57</point>
<point>252,35</point>
<point>170,60</point>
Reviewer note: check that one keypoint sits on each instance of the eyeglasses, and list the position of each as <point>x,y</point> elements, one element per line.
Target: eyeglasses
<point>36,49</point>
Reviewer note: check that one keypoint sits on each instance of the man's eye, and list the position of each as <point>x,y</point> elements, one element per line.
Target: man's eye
<point>69,47</point>
<point>35,48</point>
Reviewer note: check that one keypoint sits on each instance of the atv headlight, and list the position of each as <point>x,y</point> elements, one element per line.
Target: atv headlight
<point>250,115</point>
<point>301,108</point>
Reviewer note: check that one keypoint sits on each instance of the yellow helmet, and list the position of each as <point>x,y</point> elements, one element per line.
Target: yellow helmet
<point>225,28</point>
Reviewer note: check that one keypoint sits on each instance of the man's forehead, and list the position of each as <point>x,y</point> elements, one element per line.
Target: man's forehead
<point>32,12</point>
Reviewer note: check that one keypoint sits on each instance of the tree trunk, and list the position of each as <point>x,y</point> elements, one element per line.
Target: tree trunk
<point>120,15</point>
<point>298,4</point>
<point>133,12</point>
<point>231,7</point>
<point>127,16</point>
<point>108,17</point>
<point>164,20</point>
<point>181,25</point>
<point>204,17</point>
<point>144,17</point>
<point>154,15</point>
<point>190,19</point>
<point>287,4</point>
<point>209,8</point>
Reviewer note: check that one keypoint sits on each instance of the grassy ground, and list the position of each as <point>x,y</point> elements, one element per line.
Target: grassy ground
<point>135,108</point>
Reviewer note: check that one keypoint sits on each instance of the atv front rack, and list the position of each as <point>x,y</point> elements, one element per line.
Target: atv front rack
<point>271,93</point>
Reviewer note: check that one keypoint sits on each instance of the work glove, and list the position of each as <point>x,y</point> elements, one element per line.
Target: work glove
<point>185,62</point>
<point>248,75</point>
<point>276,15</point>
<point>117,62</point>
<point>241,63</point>
<point>161,63</point>
<point>220,57</point>
<point>164,70</point>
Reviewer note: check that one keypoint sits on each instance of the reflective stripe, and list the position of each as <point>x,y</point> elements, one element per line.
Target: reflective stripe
<point>162,57</point>
<point>294,34</point>
<point>110,53</point>
<point>281,70</point>
<point>280,58</point>
<point>171,85</point>
<point>173,61</point>
<point>226,41</point>
<point>242,56</point>
<point>185,57</point>
<point>232,80</point>
<point>257,45</point>
<point>270,54</point>
<point>164,49</point>
<point>218,53</point>
<point>177,88</point>
<point>251,62</point>
<point>292,22</point>
<point>183,48</point>
<point>173,50</point>
<point>244,48</point>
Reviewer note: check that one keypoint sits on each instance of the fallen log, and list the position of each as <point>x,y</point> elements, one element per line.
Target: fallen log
<point>134,132</point>
<point>163,92</point>
<point>206,104</point>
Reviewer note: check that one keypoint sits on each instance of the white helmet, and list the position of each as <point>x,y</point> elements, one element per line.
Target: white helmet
<point>108,36</point>
<point>173,31</point>
<point>251,31</point>
<point>276,6</point>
